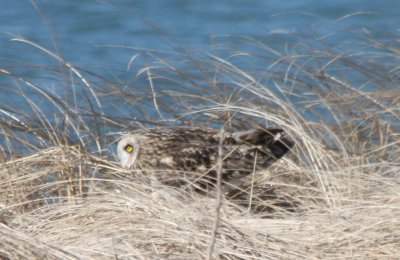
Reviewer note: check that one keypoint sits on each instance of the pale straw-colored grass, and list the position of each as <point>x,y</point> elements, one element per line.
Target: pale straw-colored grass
<point>335,196</point>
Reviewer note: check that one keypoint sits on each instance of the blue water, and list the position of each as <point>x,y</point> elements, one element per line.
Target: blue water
<point>103,36</point>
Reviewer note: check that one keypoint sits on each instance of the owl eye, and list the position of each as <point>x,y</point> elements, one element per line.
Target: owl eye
<point>128,148</point>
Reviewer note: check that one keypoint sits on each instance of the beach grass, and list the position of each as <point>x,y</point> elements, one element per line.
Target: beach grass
<point>334,196</point>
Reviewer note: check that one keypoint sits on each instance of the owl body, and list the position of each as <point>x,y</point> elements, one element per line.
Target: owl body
<point>189,156</point>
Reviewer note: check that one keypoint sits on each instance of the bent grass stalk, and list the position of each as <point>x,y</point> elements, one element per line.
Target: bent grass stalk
<point>62,195</point>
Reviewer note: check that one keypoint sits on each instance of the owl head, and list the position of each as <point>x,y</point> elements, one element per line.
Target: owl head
<point>127,151</point>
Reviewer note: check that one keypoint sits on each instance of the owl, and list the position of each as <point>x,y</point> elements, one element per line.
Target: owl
<point>188,157</point>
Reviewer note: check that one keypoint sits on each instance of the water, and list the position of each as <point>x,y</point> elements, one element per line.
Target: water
<point>87,33</point>
<point>103,36</point>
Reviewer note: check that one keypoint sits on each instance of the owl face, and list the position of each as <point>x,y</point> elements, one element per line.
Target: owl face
<point>127,151</point>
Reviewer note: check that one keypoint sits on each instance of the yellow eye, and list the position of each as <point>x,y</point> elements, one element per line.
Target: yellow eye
<point>129,148</point>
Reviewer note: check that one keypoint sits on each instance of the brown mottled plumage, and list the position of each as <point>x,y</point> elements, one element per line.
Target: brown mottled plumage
<point>189,156</point>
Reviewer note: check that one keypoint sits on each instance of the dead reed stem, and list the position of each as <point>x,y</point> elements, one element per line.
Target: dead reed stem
<point>218,196</point>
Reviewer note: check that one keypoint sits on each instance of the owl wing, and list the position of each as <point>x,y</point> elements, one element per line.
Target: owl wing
<point>195,161</point>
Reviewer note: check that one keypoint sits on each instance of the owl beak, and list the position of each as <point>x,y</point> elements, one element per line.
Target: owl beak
<point>124,164</point>
<point>128,164</point>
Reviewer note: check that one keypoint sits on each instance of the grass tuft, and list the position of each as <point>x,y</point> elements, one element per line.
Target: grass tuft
<point>336,195</point>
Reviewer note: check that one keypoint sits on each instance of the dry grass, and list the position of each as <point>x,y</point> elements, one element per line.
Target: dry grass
<point>336,196</point>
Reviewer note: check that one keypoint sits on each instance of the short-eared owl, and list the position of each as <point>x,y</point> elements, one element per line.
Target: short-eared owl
<point>188,156</point>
